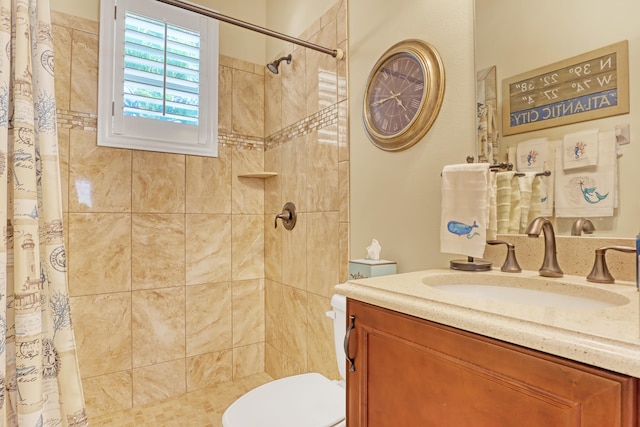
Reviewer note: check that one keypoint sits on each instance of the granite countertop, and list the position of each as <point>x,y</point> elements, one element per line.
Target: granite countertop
<point>607,337</point>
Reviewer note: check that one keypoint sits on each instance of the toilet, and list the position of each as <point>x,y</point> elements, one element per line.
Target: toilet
<point>307,400</point>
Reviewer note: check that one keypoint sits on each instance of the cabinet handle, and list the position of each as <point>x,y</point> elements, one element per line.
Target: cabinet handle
<point>347,336</point>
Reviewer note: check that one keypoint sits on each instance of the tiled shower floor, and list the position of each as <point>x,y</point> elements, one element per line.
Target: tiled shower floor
<point>201,408</point>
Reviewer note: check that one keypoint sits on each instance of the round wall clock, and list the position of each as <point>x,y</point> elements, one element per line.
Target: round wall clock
<point>403,95</point>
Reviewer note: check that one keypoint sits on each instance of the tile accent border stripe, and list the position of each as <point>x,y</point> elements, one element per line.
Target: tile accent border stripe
<point>320,120</point>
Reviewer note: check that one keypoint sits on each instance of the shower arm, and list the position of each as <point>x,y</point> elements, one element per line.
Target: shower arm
<point>336,53</point>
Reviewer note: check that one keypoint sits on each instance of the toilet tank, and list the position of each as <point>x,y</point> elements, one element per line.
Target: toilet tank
<point>339,316</point>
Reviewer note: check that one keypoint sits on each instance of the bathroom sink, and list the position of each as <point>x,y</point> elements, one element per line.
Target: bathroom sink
<point>533,292</point>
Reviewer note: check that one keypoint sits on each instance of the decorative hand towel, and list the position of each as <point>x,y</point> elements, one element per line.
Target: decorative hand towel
<point>525,183</point>
<point>537,155</point>
<point>533,155</point>
<point>464,209</point>
<point>580,149</point>
<point>514,207</point>
<point>503,200</point>
<point>535,207</point>
<point>492,227</point>
<point>591,191</point>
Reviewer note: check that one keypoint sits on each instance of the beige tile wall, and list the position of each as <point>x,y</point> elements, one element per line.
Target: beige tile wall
<point>178,278</point>
<point>165,252</point>
<point>306,144</point>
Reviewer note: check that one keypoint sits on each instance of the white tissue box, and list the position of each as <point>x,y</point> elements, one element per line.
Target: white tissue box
<point>363,268</point>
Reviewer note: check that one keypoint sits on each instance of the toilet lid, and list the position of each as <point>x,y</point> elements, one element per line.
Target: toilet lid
<point>307,400</point>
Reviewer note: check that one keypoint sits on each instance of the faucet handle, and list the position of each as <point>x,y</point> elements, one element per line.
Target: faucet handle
<point>600,272</point>
<point>510,263</point>
<point>582,225</point>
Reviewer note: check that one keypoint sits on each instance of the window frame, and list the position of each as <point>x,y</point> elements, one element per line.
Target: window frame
<point>122,131</point>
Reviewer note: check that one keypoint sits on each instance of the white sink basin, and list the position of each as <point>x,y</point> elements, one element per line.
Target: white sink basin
<point>525,290</point>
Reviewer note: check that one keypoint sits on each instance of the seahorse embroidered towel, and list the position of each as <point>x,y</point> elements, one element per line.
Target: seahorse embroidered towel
<point>533,155</point>
<point>538,155</point>
<point>580,149</point>
<point>590,191</point>
<point>465,207</point>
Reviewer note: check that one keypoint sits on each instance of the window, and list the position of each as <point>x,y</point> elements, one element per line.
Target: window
<point>158,83</point>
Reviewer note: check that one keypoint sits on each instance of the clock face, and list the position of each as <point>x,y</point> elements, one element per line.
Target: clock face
<point>403,95</point>
<point>395,94</point>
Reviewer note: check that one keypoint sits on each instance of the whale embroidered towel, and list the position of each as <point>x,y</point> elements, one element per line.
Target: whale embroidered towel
<point>463,223</point>
<point>580,149</point>
<point>589,192</point>
<point>503,200</point>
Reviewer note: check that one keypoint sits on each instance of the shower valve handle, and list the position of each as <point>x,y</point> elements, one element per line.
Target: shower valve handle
<point>283,216</point>
<point>288,216</point>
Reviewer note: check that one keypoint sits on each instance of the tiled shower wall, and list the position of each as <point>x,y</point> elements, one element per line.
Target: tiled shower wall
<point>306,144</point>
<point>167,254</point>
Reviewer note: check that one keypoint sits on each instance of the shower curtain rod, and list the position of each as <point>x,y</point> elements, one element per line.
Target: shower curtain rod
<point>336,53</point>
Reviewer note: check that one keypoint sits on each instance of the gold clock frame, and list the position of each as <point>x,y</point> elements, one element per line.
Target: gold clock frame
<point>434,86</point>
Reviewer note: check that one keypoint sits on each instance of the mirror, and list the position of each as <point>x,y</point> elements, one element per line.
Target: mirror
<point>517,37</point>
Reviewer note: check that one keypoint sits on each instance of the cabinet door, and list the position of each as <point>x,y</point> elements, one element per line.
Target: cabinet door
<point>414,373</point>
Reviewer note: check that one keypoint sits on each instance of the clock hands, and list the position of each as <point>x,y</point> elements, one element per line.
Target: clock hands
<point>393,96</point>
<point>383,100</point>
<point>399,101</point>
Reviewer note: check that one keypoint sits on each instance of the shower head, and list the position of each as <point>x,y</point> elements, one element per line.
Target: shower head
<point>273,66</point>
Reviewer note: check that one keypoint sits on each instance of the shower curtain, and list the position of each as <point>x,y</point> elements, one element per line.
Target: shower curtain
<point>39,378</point>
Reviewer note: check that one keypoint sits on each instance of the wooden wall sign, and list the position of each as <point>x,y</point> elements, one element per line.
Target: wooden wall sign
<point>585,87</point>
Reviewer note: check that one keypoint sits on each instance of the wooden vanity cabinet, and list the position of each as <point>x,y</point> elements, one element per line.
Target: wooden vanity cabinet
<point>410,372</point>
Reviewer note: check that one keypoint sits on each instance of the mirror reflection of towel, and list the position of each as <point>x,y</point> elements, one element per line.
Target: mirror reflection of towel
<point>535,208</point>
<point>515,207</point>
<point>525,183</point>
<point>590,191</point>
<point>538,155</point>
<point>492,226</point>
<point>503,200</point>
<point>580,149</point>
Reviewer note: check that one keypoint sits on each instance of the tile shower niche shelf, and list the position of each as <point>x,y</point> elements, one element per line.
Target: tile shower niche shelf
<point>258,175</point>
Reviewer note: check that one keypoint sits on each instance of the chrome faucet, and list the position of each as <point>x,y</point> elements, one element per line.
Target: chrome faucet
<point>582,225</point>
<point>550,267</point>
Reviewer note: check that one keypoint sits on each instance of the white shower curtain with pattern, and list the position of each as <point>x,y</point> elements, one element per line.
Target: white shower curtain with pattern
<point>39,378</point>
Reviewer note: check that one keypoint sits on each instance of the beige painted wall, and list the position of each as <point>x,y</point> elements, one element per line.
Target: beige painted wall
<point>234,41</point>
<point>292,17</point>
<point>395,197</point>
<point>88,9</point>
<point>289,17</point>
<point>515,45</point>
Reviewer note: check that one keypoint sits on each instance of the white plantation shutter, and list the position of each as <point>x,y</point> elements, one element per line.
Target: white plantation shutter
<point>161,71</point>
<point>163,94</point>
